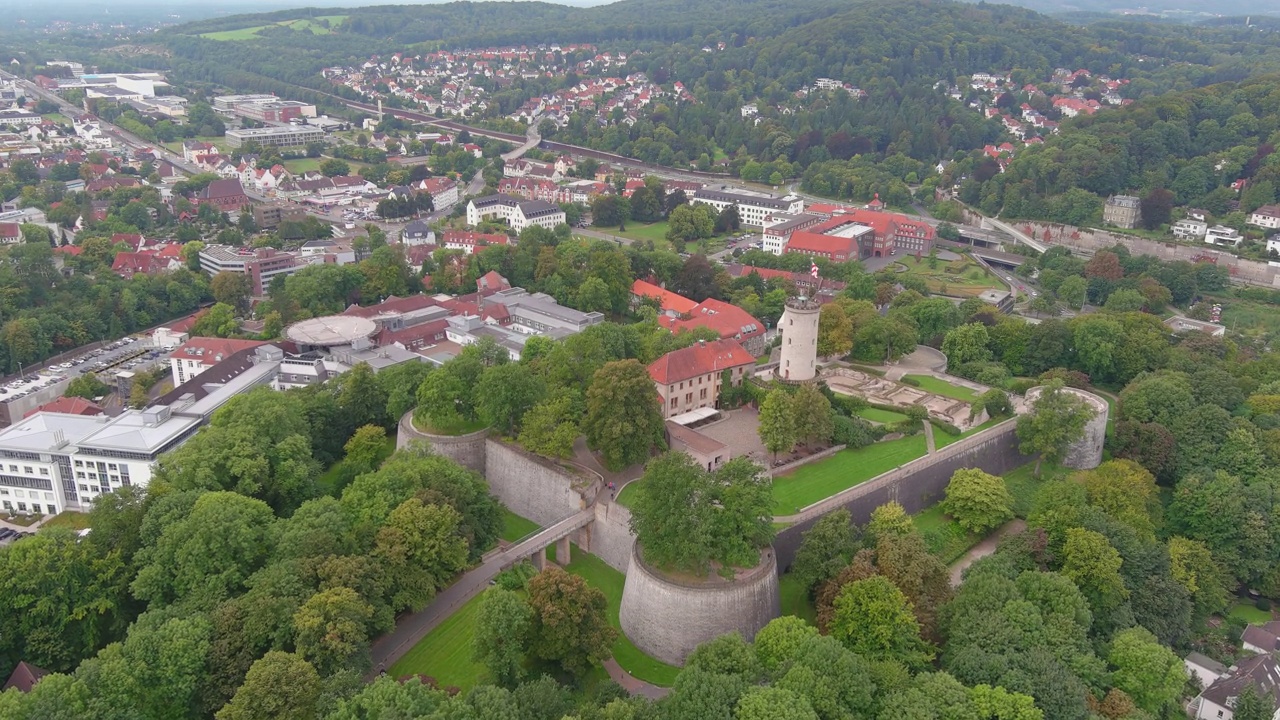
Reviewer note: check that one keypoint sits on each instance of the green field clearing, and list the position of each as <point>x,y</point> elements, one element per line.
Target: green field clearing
<point>628,494</point>
<point>795,599</point>
<point>457,427</point>
<point>515,527</point>
<point>598,574</point>
<point>881,416</point>
<point>297,166</point>
<point>1249,613</point>
<point>929,383</point>
<point>815,481</point>
<point>57,117</point>
<point>445,652</point>
<point>314,25</point>
<point>944,536</point>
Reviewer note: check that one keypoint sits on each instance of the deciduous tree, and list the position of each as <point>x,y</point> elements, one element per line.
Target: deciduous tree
<point>874,619</point>
<point>978,501</point>
<point>420,549</point>
<point>1057,419</point>
<point>777,423</point>
<point>623,420</point>
<point>278,685</point>
<point>502,633</point>
<point>1149,672</point>
<point>333,628</point>
<point>569,623</point>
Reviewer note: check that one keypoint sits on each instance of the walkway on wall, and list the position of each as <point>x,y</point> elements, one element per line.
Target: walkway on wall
<point>411,628</point>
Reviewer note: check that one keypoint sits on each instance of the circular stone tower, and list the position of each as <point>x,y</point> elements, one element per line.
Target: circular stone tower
<point>669,617</point>
<point>1085,453</point>
<point>799,326</point>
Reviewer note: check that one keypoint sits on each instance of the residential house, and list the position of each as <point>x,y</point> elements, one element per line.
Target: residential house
<point>669,303</point>
<point>1223,235</point>
<point>417,232</point>
<point>471,242</point>
<point>10,233</point>
<point>1189,229</point>
<point>1217,701</point>
<point>1267,216</point>
<point>1121,211</point>
<point>443,191</point>
<point>690,378</point>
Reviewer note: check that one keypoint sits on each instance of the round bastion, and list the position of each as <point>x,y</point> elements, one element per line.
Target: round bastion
<point>1085,453</point>
<point>668,618</point>
<point>467,450</point>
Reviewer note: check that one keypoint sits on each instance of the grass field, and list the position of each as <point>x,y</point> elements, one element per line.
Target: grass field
<point>68,519</point>
<point>599,575</point>
<point>220,141</point>
<point>458,427</point>
<point>445,653</point>
<point>1247,612</point>
<point>929,383</point>
<point>881,416</point>
<point>822,479</point>
<point>1023,485</point>
<point>515,527</point>
<point>298,166</point>
<point>314,25</point>
<point>795,600</point>
<point>57,117</point>
<point>628,494</point>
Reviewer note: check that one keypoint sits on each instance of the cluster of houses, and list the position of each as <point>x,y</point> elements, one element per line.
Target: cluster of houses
<point>1069,93</point>
<point>819,87</point>
<point>445,81</point>
<point>1222,685</point>
<point>610,100</point>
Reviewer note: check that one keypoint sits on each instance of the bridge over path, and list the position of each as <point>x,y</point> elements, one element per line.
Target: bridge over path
<point>411,628</point>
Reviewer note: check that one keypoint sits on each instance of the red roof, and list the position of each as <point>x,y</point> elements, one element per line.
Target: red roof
<point>128,264</point>
<point>186,323</point>
<point>764,273</point>
<point>467,237</point>
<point>832,246</point>
<point>391,304</point>
<point>211,351</point>
<point>67,405</point>
<point>730,321</point>
<point>671,302</point>
<point>25,676</point>
<point>69,249</point>
<point>492,281</point>
<point>699,359</point>
<point>10,230</point>
<point>133,240</point>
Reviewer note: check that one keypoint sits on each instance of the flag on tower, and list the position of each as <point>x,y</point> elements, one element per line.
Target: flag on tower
<point>813,269</point>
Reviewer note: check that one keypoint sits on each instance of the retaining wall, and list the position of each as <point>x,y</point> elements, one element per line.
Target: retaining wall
<point>609,537</point>
<point>668,619</point>
<point>916,485</point>
<point>530,486</point>
<point>466,450</point>
<point>1085,453</point>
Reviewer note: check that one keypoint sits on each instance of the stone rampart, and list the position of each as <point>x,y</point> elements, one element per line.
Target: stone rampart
<point>916,485</point>
<point>668,619</point>
<point>531,486</point>
<point>1085,453</point>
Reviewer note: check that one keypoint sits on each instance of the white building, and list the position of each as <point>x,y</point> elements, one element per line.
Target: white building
<point>752,209</point>
<point>57,461</point>
<point>281,136</point>
<point>1267,216</point>
<point>1223,235</point>
<point>518,212</point>
<point>19,117</point>
<point>1218,700</point>
<point>443,191</point>
<point>1189,229</point>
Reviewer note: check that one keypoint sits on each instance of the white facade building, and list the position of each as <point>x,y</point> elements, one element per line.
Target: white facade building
<point>1223,235</point>
<point>1267,216</point>
<point>56,461</point>
<point>1189,229</point>
<point>752,209</point>
<point>518,212</point>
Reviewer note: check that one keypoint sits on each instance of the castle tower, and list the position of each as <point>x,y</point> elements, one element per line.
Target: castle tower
<point>799,326</point>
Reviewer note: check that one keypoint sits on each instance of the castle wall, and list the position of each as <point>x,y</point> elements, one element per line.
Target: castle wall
<point>466,450</point>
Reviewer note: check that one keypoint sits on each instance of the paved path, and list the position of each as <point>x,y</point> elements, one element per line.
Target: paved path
<point>984,548</point>
<point>633,685</point>
<point>411,628</point>
<point>930,447</point>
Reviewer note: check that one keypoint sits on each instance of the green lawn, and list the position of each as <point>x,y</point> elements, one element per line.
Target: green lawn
<point>68,519</point>
<point>598,574</point>
<point>445,653</point>
<point>458,427</point>
<point>515,527</point>
<point>628,494</point>
<point>795,599</point>
<point>881,416</point>
<point>815,481</point>
<point>57,117</point>
<point>297,166</point>
<point>962,277</point>
<point>218,140</point>
<point>1023,485</point>
<point>929,383</point>
<point>1249,613</point>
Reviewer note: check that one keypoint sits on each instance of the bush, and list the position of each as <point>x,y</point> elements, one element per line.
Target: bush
<point>909,381</point>
<point>517,576</point>
<point>1263,604</point>
<point>995,402</point>
<point>854,432</point>
<point>1022,385</point>
<point>945,427</point>
<point>906,427</point>
<point>846,405</point>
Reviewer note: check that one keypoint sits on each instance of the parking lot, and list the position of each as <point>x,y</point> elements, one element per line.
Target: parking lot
<point>128,353</point>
